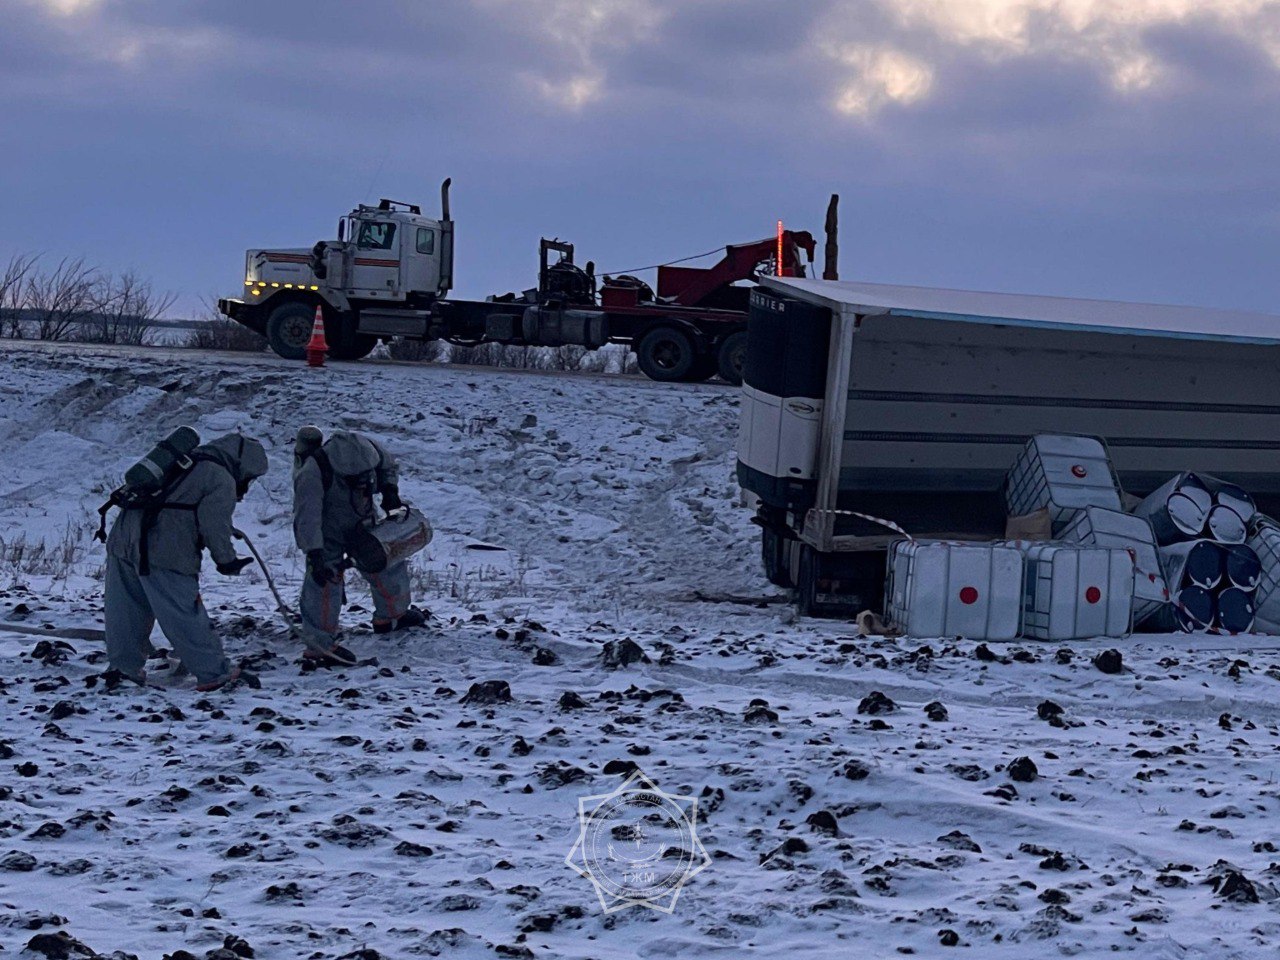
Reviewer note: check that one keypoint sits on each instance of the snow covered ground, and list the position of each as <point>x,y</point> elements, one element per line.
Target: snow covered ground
<point>370,812</point>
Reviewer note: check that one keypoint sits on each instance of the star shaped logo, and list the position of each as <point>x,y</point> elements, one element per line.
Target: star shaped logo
<point>638,845</point>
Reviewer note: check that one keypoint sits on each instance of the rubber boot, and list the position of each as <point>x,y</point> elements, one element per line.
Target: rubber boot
<point>413,617</point>
<point>219,682</point>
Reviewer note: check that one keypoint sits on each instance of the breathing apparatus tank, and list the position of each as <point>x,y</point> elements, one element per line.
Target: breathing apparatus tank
<point>377,546</point>
<point>146,481</point>
<point>149,474</point>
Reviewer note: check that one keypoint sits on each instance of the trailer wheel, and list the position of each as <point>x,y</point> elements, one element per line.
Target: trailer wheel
<point>289,329</point>
<point>732,357</point>
<point>665,354</point>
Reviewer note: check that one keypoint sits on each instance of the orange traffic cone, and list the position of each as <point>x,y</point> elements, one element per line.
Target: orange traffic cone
<point>318,346</point>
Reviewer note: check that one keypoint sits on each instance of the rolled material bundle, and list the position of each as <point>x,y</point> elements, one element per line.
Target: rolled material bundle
<point>1195,570</point>
<point>1191,610</point>
<point>1243,568</point>
<point>1178,510</point>
<point>1196,563</point>
<point>1195,609</point>
<point>1229,495</point>
<point>1235,611</point>
<point>1224,525</point>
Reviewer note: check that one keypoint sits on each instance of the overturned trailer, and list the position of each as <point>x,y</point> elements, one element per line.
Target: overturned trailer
<point>910,404</point>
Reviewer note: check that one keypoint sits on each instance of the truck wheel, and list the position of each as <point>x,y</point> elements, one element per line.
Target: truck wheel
<point>703,369</point>
<point>774,559</point>
<point>665,354</point>
<point>806,588</point>
<point>289,329</point>
<point>732,357</point>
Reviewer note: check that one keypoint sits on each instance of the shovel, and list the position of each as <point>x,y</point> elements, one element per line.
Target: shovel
<point>286,612</point>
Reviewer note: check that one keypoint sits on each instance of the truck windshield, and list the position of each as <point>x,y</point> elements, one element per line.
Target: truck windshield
<point>376,235</point>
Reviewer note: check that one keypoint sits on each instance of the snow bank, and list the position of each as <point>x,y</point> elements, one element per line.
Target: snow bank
<point>371,809</point>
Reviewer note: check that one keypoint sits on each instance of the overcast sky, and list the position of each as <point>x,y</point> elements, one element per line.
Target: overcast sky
<point>1108,148</point>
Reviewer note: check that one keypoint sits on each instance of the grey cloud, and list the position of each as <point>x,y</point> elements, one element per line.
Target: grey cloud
<point>712,117</point>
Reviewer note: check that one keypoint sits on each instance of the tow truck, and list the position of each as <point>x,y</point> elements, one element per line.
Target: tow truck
<point>390,271</point>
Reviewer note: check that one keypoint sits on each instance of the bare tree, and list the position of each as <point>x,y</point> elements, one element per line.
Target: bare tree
<point>60,301</point>
<point>125,310</point>
<point>218,333</point>
<point>418,351</point>
<point>568,357</point>
<point>13,288</point>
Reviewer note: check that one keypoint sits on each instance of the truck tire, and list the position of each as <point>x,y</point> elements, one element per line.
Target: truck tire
<point>852,582</point>
<point>774,559</point>
<point>732,357</point>
<point>805,592</point>
<point>703,369</point>
<point>289,329</point>
<point>665,354</point>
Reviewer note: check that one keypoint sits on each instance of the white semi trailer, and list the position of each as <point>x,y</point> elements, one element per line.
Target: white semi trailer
<point>910,404</point>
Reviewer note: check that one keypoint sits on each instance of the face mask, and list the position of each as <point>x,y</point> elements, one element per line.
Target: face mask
<point>242,487</point>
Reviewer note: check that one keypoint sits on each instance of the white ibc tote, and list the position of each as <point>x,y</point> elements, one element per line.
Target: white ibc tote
<point>1266,544</point>
<point>1100,527</point>
<point>1064,474</point>
<point>947,589</point>
<point>1076,593</point>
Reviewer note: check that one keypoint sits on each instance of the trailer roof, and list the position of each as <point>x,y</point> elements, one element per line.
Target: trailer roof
<point>969,306</point>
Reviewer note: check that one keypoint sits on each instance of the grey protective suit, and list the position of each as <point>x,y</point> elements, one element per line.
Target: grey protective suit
<point>166,587</point>
<point>325,519</point>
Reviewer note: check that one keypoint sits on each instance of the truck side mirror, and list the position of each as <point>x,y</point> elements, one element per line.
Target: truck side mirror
<point>342,230</point>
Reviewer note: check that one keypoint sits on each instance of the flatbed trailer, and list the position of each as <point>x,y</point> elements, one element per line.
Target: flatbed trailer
<point>675,335</point>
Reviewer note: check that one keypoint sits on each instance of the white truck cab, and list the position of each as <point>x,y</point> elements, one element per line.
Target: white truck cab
<point>390,253</point>
<point>386,257</point>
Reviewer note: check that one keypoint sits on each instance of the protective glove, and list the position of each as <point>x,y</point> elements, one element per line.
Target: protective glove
<point>391,499</point>
<point>320,571</point>
<point>233,568</point>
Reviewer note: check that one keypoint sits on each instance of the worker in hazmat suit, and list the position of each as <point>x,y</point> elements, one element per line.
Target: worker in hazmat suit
<point>154,556</point>
<point>334,484</point>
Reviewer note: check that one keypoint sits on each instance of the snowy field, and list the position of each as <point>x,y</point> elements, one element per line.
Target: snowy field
<point>369,812</point>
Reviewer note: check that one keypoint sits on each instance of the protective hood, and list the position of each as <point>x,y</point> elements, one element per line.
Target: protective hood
<point>351,454</point>
<point>243,456</point>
